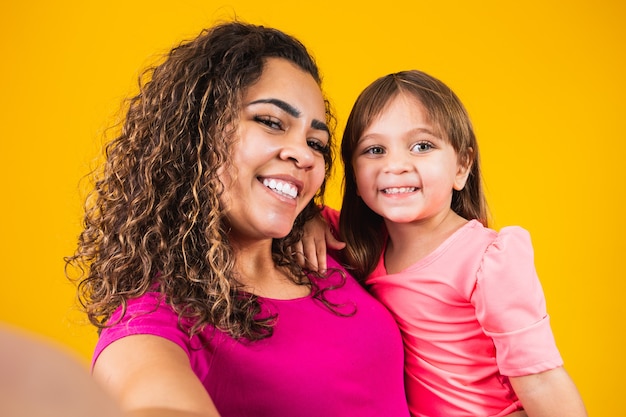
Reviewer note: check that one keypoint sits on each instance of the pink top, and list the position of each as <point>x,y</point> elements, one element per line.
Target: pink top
<point>317,363</point>
<point>470,313</point>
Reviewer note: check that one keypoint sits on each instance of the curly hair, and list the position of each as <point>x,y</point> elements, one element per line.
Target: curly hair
<point>358,223</point>
<point>154,220</point>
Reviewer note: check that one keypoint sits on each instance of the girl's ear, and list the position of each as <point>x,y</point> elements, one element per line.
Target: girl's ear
<point>464,168</point>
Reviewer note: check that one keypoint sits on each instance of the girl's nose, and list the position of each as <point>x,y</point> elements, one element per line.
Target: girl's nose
<point>397,163</point>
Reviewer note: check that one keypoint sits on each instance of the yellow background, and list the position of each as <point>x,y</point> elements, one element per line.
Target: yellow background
<point>544,82</point>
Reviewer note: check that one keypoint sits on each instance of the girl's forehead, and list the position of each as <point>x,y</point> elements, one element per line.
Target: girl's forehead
<point>400,108</point>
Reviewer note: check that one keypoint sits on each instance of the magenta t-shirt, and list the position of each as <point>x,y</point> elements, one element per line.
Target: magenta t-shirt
<point>317,363</point>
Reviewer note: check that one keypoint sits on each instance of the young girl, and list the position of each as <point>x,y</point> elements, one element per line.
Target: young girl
<point>467,299</point>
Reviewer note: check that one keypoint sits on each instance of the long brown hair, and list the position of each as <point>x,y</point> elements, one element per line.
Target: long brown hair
<point>363,229</point>
<point>154,218</point>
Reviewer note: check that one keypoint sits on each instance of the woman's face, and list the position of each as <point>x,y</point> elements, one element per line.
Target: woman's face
<point>277,162</point>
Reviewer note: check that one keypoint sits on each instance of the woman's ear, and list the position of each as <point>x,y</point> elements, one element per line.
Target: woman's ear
<point>464,167</point>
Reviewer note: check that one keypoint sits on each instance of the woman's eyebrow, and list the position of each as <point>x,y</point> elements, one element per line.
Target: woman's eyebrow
<point>319,125</point>
<point>292,111</point>
<point>283,105</point>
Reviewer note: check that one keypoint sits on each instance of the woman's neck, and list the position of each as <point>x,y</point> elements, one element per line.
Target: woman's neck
<point>410,242</point>
<point>260,275</point>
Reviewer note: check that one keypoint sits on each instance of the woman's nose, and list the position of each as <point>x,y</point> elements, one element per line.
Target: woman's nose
<point>299,151</point>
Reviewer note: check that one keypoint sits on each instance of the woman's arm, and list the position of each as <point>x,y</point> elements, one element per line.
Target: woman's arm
<point>39,378</point>
<point>151,377</point>
<point>549,394</point>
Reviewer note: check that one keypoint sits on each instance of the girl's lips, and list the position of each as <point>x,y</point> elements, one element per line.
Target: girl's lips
<point>399,190</point>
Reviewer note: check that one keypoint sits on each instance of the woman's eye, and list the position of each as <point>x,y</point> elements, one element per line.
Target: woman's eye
<point>422,147</point>
<point>270,122</point>
<point>318,146</point>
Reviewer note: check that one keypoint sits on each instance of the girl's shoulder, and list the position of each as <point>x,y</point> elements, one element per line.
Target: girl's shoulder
<point>478,247</point>
<point>508,236</point>
<point>507,252</point>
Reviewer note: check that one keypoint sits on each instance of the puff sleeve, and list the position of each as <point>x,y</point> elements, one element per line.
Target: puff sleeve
<point>510,306</point>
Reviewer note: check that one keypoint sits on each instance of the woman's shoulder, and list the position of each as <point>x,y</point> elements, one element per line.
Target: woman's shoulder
<point>148,314</point>
<point>149,307</point>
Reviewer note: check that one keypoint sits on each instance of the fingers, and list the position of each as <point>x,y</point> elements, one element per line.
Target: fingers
<point>332,242</point>
<point>316,253</point>
<point>318,238</point>
<point>314,250</point>
<point>310,254</point>
<point>298,251</point>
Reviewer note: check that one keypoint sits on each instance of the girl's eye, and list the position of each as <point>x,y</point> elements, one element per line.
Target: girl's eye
<point>375,150</point>
<point>421,147</point>
<point>318,146</point>
<point>270,122</point>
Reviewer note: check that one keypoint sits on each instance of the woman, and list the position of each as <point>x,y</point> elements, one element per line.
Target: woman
<point>203,308</point>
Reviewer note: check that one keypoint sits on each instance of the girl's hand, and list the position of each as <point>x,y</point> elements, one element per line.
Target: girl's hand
<point>311,250</point>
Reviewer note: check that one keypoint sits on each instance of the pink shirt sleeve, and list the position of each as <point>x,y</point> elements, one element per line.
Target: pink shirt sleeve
<point>145,315</point>
<point>510,305</point>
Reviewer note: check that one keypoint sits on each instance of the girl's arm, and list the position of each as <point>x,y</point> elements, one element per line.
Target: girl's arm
<point>317,238</point>
<point>549,394</point>
<point>151,377</point>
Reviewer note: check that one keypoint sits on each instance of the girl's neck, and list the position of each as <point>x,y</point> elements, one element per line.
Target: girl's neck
<point>410,242</point>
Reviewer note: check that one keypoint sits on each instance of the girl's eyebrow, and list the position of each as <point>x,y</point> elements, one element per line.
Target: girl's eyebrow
<point>417,130</point>
<point>292,111</point>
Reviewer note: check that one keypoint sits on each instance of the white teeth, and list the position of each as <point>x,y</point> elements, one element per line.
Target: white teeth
<point>281,187</point>
<point>399,190</point>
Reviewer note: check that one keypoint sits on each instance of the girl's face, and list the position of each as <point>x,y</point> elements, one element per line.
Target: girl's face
<point>277,162</point>
<point>403,170</point>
